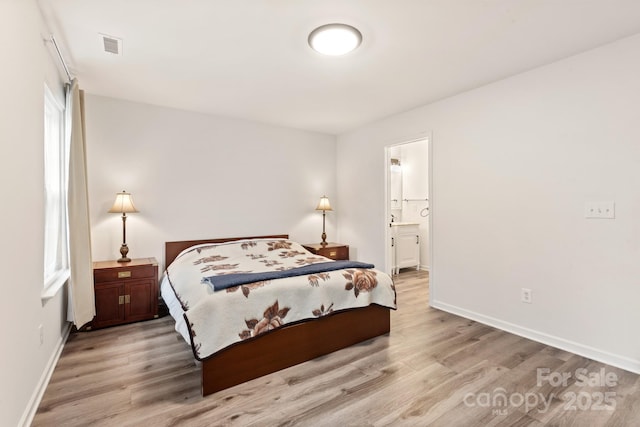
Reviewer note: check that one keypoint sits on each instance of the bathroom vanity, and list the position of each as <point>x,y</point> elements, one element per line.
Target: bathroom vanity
<point>405,242</point>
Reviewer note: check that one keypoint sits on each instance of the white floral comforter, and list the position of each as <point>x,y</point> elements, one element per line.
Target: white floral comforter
<point>217,319</point>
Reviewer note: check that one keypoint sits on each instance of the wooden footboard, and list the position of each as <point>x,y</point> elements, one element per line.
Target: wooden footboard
<point>291,345</point>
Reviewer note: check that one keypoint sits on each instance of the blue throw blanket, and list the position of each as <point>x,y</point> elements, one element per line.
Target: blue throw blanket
<point>225,281</point>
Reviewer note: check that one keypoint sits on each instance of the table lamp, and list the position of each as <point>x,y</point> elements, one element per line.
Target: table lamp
<point>124,205</point>
<point>324,206</point>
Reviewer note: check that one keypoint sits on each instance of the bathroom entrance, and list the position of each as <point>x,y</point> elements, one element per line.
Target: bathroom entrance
<point>407,206</point>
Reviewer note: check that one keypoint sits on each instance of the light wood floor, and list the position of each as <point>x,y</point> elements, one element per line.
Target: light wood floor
<point>433,369</point>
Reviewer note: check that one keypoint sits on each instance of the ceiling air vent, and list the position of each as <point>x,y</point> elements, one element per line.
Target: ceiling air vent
<point>111,44</point>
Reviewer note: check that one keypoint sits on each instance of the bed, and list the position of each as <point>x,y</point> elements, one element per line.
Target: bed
<point>200,287</point>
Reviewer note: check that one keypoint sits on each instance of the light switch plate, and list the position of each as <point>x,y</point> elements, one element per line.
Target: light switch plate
<point>603,210</point>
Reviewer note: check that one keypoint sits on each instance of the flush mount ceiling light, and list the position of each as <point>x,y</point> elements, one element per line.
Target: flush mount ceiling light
<point>335,39</point>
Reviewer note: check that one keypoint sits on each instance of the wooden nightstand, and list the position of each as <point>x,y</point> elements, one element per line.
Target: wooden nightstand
<point>335,251</point>
<point>125,292</point>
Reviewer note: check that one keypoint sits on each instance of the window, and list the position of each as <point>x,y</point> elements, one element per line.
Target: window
<point>56,259</point>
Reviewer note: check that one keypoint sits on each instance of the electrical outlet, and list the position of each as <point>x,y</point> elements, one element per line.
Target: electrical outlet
<point>604,210</point>
<point>41,330</point>
<point>525,296</point>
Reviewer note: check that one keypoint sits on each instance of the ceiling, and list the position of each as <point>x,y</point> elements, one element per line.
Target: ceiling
<point>249,59</point>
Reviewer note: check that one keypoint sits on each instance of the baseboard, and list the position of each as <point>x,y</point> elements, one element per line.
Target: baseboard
<point>622,362</point>
<point>34,402</point>
<point>418,268</point>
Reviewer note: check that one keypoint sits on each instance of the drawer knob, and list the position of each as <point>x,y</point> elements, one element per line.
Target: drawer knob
<point>124,274</point>
<point>332,253</point>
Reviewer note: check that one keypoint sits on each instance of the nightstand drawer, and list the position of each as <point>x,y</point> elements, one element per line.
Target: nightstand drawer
<point>336,251</point>
<point>341,252</point>
<point>121,273</point>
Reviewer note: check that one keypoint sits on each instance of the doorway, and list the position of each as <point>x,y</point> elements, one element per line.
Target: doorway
<point>408,205</point>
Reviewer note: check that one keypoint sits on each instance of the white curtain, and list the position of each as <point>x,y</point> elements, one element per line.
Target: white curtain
<point>81,298</point>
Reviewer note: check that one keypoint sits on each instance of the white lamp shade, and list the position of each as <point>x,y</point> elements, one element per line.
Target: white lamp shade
<point>123,204</point>
<point>324,204</point>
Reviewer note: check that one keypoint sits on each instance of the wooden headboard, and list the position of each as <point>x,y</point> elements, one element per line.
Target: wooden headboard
<point>173,249</point>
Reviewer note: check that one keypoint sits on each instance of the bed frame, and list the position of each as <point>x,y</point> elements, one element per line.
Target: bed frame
<point>304,341</point>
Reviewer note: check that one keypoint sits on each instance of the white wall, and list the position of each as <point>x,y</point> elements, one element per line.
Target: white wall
<point>514,163</point>
<point>24,363</point>
<point>196,176</point>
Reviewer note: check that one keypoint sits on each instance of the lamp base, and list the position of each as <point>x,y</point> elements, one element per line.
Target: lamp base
<point>124,250</point>
<point>324,239</point>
